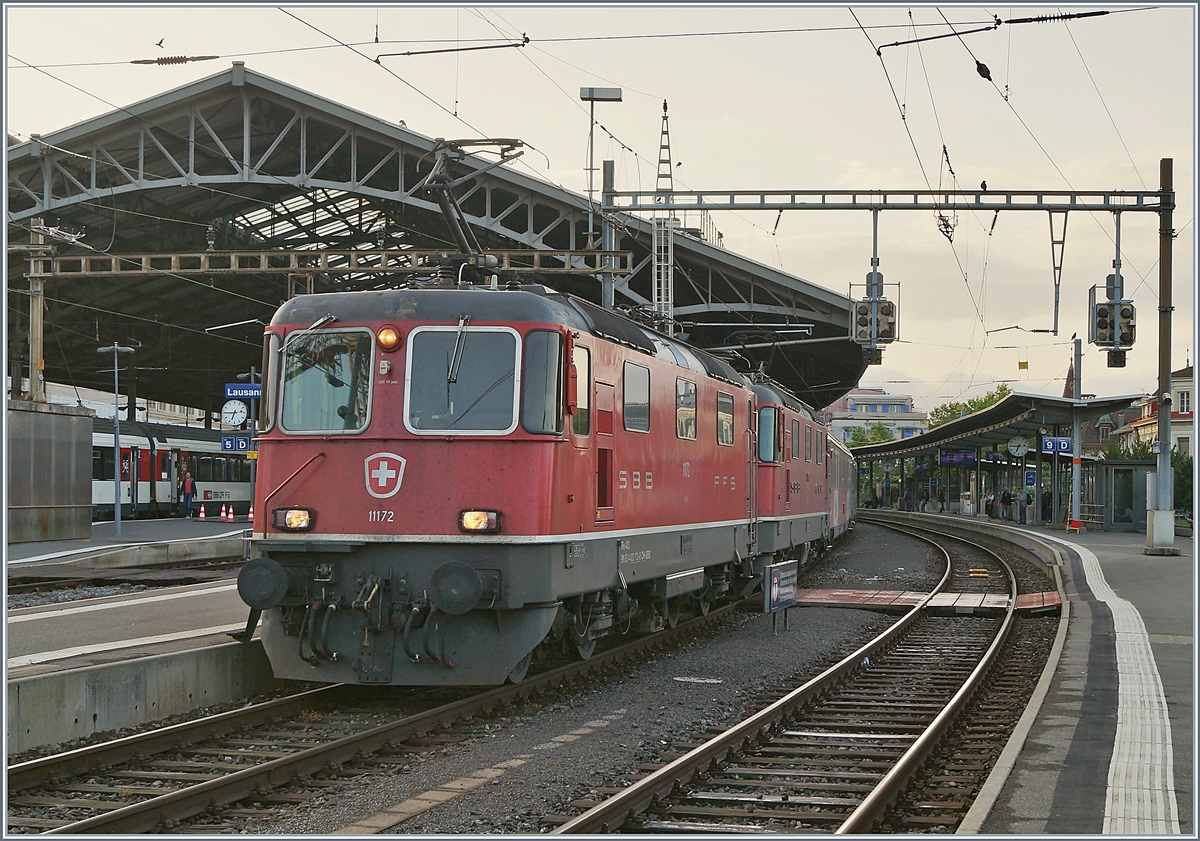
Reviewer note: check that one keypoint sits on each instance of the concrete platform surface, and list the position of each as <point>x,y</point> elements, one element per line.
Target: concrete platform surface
<point>140,542</point>
<point>1112,748</point>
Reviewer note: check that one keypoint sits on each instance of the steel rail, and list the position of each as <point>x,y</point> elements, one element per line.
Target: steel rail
<point>873,806</point>
<point>35,772</point>
<point>184,803</point>
<point>610,815</point>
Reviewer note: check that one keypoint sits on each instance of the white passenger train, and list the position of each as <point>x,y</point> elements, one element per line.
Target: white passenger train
<point>153,457</point>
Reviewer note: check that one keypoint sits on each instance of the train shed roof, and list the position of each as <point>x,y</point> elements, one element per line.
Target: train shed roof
<point>1018,414</point>
<point>241,162</point>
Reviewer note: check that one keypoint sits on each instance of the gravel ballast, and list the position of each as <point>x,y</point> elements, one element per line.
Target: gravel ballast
<point>558,749</point>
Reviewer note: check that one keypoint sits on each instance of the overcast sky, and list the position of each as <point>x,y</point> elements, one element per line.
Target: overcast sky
<point>1086,104</point>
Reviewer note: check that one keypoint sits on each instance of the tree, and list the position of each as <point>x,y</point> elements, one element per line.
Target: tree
<point>1123,449</point>
<point>953,411</point>
<point>877,433</point>
<point>1183,479</point>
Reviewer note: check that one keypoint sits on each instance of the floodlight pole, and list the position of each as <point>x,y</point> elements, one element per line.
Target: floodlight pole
<point>116,349</point>
<point>592,96</point>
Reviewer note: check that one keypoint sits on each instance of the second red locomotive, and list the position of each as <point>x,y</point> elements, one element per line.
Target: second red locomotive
<point>450,477</point>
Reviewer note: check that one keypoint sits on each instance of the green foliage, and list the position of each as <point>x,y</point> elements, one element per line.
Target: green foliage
<point>877,433</point>
<point>1183,479</point>
<point>1117,449</point>
<point>953,411</point>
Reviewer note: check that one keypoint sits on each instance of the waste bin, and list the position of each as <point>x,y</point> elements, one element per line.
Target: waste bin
<point>965,505</point>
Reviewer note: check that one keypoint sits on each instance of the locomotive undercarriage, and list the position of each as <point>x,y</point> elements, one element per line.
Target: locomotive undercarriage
<point>355,611</point>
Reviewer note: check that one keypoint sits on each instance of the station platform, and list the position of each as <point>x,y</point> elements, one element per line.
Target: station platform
<point>141,542</point>
<point>1111,748</point>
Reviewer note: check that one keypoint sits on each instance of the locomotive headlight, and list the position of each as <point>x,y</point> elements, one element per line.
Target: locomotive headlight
<point>479,520</point>
<point>388,337</point>
<point>293,519</point>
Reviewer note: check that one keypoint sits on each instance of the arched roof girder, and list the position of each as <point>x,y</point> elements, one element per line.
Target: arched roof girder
<point>268,164</point>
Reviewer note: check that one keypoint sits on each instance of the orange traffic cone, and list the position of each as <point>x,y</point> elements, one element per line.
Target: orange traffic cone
<point>250,516</point>
<point>201,511</point>
<point>223,517</point>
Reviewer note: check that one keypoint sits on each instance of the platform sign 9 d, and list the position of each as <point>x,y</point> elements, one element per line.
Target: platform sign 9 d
<point>779,586</point>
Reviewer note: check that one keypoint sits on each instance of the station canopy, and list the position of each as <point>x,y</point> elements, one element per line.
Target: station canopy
<point>1017,415</point>
<point>240,163</point>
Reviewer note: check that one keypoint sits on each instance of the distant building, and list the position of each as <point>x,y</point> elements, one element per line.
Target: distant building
<point>1145,426</point>
<point>862,407</point>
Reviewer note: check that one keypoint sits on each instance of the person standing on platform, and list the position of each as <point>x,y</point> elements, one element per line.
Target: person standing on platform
<point>1006,504</point>
<point>1023,501</point>
<point>187,492</point>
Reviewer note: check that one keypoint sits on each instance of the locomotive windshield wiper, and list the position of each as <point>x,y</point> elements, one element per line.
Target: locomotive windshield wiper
<point>325,319</point>
<point>459,342</point>
<point>488,391</point>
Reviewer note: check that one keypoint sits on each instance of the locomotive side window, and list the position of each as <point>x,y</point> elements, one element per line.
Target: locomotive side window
<point>326,381</point>
<point>542,405</point>
<point>270,382</point>
<point>808,430</point>
<point>767,451</point>
<point>724,419</point>
<point>581,421</point>
<point>820,445</point>
<point>685,409</point>
<point>462,380</point>
<point>637,398</point>
<point>795,439</point>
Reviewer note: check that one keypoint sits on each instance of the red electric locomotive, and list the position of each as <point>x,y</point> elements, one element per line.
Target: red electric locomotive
<point>449,477</point>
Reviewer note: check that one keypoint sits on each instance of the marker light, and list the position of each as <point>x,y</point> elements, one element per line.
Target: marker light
<point>475,521</point>
<point>293,519</point>
<point>388,337</point>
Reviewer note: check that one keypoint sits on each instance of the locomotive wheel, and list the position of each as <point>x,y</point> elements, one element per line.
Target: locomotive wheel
<point>671,611</point>
<point>703,605</point>
<point>584,649</point>
<point>521,669</point>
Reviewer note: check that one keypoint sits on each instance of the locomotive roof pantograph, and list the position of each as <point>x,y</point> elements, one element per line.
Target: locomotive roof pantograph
<point>241,164</point>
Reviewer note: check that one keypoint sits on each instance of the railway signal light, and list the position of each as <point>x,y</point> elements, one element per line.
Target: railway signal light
<point>887,321</point>
<point>1102,323</point>
<point>1126,324</point>
<point>864,320</point>
<point>874,321</point>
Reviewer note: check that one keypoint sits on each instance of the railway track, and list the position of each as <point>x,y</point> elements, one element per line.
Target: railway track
<point>835,754</point>
<point>156,780</point>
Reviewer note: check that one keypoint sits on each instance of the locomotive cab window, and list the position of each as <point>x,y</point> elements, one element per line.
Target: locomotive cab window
<point>462,380</point>
<point>724,419</point>
<point>685,409</point>
<point>542,401</point>
<point>326,381</point>
<point>581,421</point>
<point>637,398</point>
<point>270,382</point>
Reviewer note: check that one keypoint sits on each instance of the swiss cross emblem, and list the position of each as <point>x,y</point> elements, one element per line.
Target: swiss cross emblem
<point>385,472</point>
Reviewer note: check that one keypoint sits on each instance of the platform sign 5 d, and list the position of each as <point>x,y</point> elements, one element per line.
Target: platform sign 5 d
<point>235,443</point>
<point>1056,444</point>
